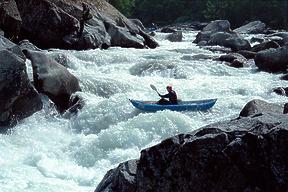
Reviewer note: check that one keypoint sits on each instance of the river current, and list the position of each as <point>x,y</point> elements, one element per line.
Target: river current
<point>49,153</point>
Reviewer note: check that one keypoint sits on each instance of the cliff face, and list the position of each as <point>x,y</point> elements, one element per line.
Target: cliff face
<point>73,24</point>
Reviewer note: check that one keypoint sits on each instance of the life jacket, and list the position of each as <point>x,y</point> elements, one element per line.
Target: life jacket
<point>173,99</point>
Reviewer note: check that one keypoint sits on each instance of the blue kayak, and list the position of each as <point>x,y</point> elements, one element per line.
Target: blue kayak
<point>197,105</point>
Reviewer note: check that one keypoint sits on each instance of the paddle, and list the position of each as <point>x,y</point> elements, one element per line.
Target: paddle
<point>154,88</point>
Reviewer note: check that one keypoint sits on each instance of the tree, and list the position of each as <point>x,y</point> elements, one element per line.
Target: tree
<point>124,6</point>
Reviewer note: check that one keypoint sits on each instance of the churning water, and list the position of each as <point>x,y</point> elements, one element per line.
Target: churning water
<point>48,153</point>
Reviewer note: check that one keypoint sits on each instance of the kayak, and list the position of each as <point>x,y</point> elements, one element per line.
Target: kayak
<point>196,105</point>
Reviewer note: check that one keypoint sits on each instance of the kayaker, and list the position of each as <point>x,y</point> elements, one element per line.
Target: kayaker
<point>171,95</point>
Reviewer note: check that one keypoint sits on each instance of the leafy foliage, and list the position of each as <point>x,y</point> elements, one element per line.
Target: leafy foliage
<point>238,12</point>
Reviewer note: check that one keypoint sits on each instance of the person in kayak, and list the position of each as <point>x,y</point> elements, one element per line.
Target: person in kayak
<point>171,95</point>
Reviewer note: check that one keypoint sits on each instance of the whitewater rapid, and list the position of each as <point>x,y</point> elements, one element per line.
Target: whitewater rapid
<point>48,153</point>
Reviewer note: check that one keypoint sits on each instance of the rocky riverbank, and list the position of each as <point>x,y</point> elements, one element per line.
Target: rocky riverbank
<point>248,153</point>
<point>28,26</point>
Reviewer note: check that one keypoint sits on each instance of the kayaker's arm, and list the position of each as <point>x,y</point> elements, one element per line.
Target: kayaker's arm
<point>164,96</point>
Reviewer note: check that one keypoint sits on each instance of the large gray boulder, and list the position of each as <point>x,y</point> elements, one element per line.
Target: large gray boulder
<point>229,40</point>
<point>212,28</point>
<point>18,97</point>
<point>175,37</point>
<point>244,154</point>
<point>121,36</point>
<point>253,27</point>
<point>272,60</point>
<point>52,79</point>
<point>77,25</point>
<point>257,106</point>
<point>45,24</point>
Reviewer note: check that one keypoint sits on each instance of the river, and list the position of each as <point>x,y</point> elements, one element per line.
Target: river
<point>49,153</point>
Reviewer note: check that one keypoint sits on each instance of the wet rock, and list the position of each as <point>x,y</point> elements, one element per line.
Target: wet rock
<point>244,154</point>
<point>281,90</point>
<point>175,36</point>
<point>231,57</point>
<point>247,54</point>
<point>167,30</point>
<point>253,27</point>
<point>235,60</point>
<point>138,23</point>
<point>265,45</point>
<point>272,60</point>
<point>52,79</point>
<point>257,40</point>
<point>212,28</point>
<point>257,106</point>
<point>121,36</point>
<point>233,41</point>
<point>18,97</point>
<point>284,77</point>
<point>75,104</point>
<point>285,110</point>
<point>280,37</point>
<point>120,179</point>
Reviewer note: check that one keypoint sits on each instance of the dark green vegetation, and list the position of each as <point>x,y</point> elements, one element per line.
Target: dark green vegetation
<point>272,12</point>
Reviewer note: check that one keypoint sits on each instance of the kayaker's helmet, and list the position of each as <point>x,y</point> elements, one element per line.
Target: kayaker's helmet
<point>169,88</point>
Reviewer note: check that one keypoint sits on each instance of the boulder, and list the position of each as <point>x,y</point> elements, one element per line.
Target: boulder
<point>138,23</point>
<point>167,30</point>
<point>280,37</point>
<point>18,97</point>
<point>64,24</point>
<point>10,19</point>
<point>253,27</point>
<point>212,28</point>
<point>237,43</point>
<point>122,37</point>
<point>244,154</point>
<point>75,104</point>
<point>235,59</point>
<point>231,57</point>
<point>272,60</point>
<point>233,41</point>
<point>175,37</point>
<point>257,106</point>
<point>52,79</point>
<point>281,90</point>
<point>247,54</point>
<point>264,45</point>
<point>148,41</point>
<point>120,179</point>
<point>45,24</point>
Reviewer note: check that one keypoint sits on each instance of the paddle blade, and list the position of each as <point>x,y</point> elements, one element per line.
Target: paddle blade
<point>153,87</point>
